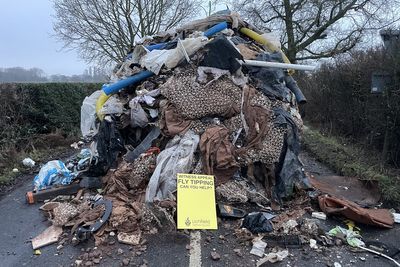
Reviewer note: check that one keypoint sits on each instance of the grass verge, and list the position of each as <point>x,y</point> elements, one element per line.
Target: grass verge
<point>350,160</point>
<point>40,156</point>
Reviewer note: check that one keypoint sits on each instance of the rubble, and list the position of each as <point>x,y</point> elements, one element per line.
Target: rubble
<point>258,247</point>
<point>319,215</point>
<point>273,257</point>
<point>215,256</point>
<point>129,239</point>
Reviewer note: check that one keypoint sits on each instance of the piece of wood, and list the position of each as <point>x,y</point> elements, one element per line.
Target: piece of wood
<point>79,194</point>
<point>47,237</point>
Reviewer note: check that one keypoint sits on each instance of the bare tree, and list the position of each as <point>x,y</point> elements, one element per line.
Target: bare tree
<point>104,30</point>
<point>313,29</point>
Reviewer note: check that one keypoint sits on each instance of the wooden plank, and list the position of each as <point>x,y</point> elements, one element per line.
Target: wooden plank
<point>47,237</point>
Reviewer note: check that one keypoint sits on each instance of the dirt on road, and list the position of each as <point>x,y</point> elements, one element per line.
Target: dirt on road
<point>21,222</point>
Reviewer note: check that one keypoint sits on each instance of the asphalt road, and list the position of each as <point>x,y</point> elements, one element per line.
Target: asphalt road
<point>20,222</point>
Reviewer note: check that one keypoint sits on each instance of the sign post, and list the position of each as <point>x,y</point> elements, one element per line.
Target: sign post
<point>196,202</point>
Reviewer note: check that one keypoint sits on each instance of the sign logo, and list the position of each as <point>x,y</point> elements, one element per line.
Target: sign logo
<point>196,201</point>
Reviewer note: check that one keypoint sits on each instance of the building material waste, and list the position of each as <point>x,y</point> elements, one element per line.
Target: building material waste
<point>188,101</point>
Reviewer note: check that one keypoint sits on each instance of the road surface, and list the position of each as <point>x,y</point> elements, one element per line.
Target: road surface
<point>20,222</point>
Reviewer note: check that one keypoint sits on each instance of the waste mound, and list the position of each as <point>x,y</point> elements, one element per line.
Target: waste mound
<point>216,97</point>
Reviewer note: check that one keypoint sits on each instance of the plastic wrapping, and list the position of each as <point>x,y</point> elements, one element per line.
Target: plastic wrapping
<point>112,106</point>
<point>258,222</point>
<point>28,162</point>
<point>290,170</point>
<point>53,173</point>
<point>138,115</point>
<point>155,59</point>
<point>88,114</point>
<point>176,158</point>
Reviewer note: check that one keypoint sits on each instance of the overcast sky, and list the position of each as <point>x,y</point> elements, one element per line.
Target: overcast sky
<point>26,38</point>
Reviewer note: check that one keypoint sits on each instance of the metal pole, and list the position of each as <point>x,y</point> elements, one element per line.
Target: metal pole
<point>268,64</point>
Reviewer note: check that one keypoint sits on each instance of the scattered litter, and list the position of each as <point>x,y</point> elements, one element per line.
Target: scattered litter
<point>337,264</point>
<point>273,257</point>
<point>353,238</point>
<point>37,252</point>
<point>258,247</point>
<point>319,215</point>
<point>310,226</point>
<point>227,211</point>
<point>396,217</point>
<point>289,225</point>
<point>258,222</point>
<point>84,231</point>
<point>215,256</point>
<point>238,252</point>
<point>77,145</point>
<point>53,173</point>
<point>28,162</point>
<point>313,244</point>
<point>15,170</point>
<point>129,238</point>
<point>284,241</point>
<point>47,237</point>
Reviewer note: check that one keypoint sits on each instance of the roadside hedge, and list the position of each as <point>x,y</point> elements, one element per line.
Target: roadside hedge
<point>31,110</point>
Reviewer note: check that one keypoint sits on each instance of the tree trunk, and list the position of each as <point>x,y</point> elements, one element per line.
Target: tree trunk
<point>291,46</point>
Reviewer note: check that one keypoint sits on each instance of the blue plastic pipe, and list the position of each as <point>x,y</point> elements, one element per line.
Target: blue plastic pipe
<point>159,46</point>
<point>216,28</point>
<point>109,89</point>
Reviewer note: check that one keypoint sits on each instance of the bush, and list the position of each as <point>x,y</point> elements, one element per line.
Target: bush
<point>340,102</point>
<point>30,113</point>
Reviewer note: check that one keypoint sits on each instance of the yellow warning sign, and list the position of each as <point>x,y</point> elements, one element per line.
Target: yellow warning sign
<point>196,201</point>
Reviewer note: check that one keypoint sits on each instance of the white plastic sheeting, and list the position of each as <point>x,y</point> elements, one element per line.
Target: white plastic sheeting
<point>176,158</point>
<point>88,114</point>
<point>112,106</point>
<point>155,59</point>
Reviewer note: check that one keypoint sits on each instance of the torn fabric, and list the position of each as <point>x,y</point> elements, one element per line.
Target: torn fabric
<point>218,154</point>
<point>376,217</point>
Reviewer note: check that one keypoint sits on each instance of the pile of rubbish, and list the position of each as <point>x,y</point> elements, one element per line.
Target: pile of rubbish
<point>216,97</point>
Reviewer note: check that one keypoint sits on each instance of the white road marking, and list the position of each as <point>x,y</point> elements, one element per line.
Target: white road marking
<point>195,249</point>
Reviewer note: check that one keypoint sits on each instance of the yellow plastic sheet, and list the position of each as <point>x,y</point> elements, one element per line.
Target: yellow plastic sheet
<point>99,104</point>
